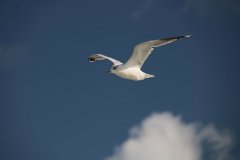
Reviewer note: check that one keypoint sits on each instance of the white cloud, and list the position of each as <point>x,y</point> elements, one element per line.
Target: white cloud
<point>164,136</point>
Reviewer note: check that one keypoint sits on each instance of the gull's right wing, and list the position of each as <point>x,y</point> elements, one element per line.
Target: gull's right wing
<point>96,57</point>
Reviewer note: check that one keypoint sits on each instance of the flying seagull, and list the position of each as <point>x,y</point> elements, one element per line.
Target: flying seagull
<point>132,68</point>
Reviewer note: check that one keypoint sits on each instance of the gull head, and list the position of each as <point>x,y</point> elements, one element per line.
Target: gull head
<point>114,69</point>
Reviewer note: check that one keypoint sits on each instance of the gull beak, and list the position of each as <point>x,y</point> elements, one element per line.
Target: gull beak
<point>109,71</point>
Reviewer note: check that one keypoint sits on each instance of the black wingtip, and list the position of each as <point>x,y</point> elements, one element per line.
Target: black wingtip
<point>187,36</point>
<point>91,59</point>
<point>177,37</point>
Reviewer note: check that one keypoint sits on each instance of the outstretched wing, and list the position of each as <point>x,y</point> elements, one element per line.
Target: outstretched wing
<point>96,57</point>
<point>143,50</point>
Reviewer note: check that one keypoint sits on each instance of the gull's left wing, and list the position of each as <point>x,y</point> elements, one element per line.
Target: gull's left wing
<point>96,57</point>
<point>143,50</point>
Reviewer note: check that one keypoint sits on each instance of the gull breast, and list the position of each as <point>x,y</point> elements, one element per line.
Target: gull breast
<point>132,74</point>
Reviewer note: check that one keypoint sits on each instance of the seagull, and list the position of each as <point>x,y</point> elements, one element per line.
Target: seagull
<point>131,70</point>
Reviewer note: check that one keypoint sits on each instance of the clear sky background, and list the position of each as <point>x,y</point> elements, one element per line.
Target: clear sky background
<point>57,105</point>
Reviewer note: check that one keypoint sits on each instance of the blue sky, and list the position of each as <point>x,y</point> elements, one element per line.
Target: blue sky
<point>57,105</point>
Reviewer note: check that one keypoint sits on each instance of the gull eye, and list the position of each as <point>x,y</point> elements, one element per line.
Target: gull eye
<point>115,67</point>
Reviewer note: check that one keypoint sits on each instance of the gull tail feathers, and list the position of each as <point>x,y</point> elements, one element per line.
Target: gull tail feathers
<point>149,76</point>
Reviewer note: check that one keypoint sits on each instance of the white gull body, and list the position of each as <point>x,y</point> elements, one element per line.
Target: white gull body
<point>130,73</point>
<point>132,68</point>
